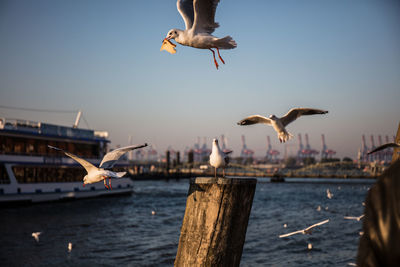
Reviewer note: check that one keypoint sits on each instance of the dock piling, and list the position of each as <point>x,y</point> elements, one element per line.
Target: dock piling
<point>215,222</point>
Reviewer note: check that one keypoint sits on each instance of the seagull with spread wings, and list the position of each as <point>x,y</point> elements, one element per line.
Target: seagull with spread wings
<point>308,230</point>
<point>200,24</point>
<point>279,124</point>
<point>95,174</point>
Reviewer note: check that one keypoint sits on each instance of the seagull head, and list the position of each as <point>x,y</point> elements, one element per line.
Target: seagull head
<point>172,34</point>
<point>273,117</point>
<point>215,141</point>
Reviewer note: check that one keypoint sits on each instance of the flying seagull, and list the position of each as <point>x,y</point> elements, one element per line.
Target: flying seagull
<point>200,24</point>
<point>354,218</point>
<point>97,174</point>
<point>218,158</point>
<point>279,124</point>
<point>308,230</point>
<point>384,146</point>
<point>36,235</point>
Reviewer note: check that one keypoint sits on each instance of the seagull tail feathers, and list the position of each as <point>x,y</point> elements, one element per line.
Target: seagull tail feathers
<point>120,174</point>
<point>226,43</point>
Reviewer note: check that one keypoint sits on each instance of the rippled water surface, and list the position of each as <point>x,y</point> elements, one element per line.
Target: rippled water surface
<point>121,231</point>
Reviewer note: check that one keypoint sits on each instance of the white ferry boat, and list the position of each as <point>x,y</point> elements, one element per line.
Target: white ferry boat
<point>31,172</point>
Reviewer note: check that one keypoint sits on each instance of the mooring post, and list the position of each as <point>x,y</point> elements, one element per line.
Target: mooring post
<point>215,222</point>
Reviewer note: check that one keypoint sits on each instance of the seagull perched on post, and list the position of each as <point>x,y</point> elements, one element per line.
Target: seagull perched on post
<point>308,230</point>
<point>97,174</point>
<point>279,124</point>
<point>200,24</point>
<point>218,158</point>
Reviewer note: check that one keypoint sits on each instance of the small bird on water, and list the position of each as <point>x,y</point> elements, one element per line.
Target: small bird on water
<point>218,158</point>
<point>36,235</point>
<point>199,20</point>
<point>279,124</point>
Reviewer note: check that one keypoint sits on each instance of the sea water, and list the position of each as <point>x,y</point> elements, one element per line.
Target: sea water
<point>143,229</point>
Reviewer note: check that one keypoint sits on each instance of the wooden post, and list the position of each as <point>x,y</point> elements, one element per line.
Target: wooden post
<point>396,150</point>
<point>215,222</point>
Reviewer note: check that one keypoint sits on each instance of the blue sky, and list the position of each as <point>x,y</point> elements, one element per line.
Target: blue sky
<point>103,57</point>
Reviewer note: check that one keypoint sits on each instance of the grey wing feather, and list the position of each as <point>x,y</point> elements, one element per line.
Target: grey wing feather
<point>254,119</point>
<point>294,113</point>
<point>204,16</point>
<point>87,165</point>
<point>112,157</point>
<point>185,8</point>
<point>384,147</point>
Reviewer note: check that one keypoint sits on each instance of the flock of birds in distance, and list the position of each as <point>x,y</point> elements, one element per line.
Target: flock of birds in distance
<point>199,19</point>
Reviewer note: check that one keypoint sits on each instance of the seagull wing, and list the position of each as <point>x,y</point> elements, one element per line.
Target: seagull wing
<point>87,165</point>
<point>227,152</point>
<point>254,119</point>
<point>292,233</point>
<point>185,8</point>
<point>384,147</point>
<point>294,113</point>
<point>111,157</point>
<point>204,15</point>
<point>314,225</point>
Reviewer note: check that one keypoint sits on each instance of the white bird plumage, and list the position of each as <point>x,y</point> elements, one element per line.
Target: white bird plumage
<point>97,174</point>
<point>218,158</point>
<point>36,235</point>
<point>279,124</point>
<point>199,16</point>
<point>306,230</point>
<point>354,218</point>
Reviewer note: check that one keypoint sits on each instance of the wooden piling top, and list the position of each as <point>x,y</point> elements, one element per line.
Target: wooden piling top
<point>219,180</point>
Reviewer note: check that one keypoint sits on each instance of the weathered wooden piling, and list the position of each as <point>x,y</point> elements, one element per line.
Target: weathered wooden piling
<point>215,222</point>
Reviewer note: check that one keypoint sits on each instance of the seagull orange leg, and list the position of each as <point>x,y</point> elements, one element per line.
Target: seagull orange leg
<point>105,182</point>
<point>109,183</point>
<point>215,61</point>
<point>220,55</point>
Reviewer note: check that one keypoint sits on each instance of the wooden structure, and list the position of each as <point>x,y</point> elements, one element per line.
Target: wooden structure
<point>215,222</point>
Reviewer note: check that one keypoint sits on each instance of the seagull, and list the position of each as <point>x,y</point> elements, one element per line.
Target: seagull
<point>354,218</point>
<point>384,146</point>
<point>218,158</point>
<point>304,231</point>
<point>97,174</point>
<point>329,194</point>
<point>36,235</point>
<point>200,24</point>
<point>279,124</point>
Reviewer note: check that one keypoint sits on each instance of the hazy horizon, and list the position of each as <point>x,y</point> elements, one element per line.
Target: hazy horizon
<point>103,58</point>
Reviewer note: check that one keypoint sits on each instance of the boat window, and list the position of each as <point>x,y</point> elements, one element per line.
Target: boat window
<point>48,174</point>
<point>38,147</point>
<point>4,179</point>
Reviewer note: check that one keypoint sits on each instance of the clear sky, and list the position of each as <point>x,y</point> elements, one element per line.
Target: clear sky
<point>103,57</point>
